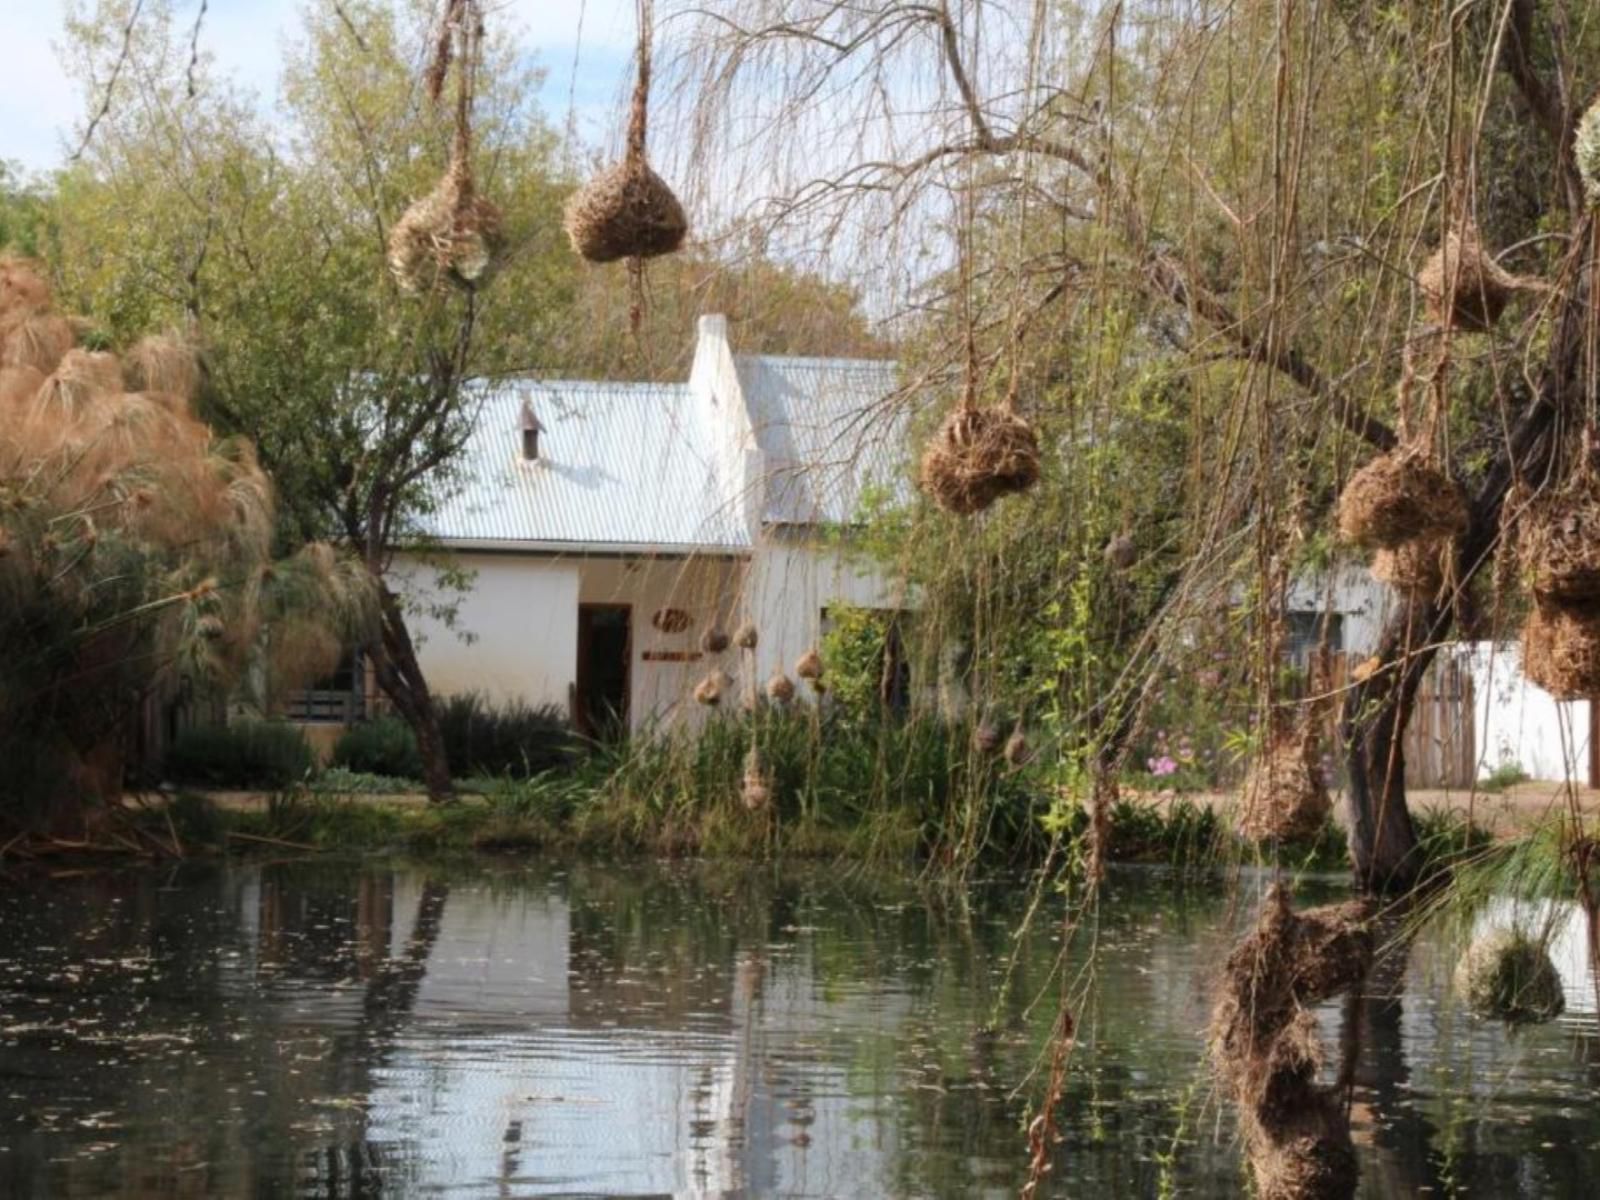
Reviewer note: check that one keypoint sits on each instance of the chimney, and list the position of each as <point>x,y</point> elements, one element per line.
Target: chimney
<point>531,429</point>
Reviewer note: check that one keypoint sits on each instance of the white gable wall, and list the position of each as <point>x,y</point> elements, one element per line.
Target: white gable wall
<point>522,614</point>
<point>1521,724</point>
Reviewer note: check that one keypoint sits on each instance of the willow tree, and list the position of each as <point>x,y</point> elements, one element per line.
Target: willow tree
<point>1239,194</point>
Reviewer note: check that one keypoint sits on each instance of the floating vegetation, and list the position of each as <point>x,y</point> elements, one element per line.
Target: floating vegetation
<point>1509,976</point>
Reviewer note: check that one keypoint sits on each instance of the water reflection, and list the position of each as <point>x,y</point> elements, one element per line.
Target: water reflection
<point>333,1030</point>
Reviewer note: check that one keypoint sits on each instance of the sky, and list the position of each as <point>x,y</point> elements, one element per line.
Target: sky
<point>39,106</point>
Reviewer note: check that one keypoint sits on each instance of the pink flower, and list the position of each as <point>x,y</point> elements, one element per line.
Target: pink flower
<point>1162,766</point>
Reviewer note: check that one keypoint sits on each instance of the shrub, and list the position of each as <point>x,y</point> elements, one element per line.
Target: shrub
<point>383,746</point>
<point>1507,774</point>
<point>512,738</point>
<point>246,754</point>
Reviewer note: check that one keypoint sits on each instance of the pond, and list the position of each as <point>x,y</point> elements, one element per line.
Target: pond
<point>339,1029</point>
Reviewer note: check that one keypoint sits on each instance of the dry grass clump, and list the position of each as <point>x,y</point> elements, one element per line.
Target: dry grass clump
<point>1415,568</point>
<point>1400,497</point>
<point>977,456</point>
<point>162,364</point>
<point>1561,650</point>
<point>1507,975</point>
<point>23,292</point>
<point>1285,797</point>
<point>451,235</point>
<point>1266,1051</point>
<point>780,688</point>
<point>746,636</point>
<point>1558,541</point>
<point>1463,285</point>
<point>80,377</point>
<point>36,341</point>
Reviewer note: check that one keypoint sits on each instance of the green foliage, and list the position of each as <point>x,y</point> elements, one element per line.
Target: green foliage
<point>341,781</point>
<point>381,746</point>
<point>263,755</point>
<point>854,650</point>
<point>1506,775</point>
<point>509,738</point>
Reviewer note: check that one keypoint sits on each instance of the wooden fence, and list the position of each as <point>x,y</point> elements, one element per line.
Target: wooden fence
<point>1440,746</point>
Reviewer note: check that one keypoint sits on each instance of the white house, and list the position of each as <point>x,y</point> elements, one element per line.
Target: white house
<point>611,525</point>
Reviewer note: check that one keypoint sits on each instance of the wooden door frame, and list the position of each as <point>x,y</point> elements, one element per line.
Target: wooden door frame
<point>581,675</point>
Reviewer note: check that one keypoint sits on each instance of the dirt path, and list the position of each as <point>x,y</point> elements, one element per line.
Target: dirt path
<point>1500,812</point>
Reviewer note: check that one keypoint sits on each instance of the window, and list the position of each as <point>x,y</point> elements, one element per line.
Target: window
<point>338,699</point>
<point>1307,632</point>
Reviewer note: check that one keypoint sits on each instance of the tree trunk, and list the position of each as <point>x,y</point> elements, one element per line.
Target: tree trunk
<point>394,660</point>
<point>1372,727</point>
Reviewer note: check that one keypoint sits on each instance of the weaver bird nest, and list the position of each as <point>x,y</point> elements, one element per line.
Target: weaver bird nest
<point>1285,797</point>
<point>1463,284</point>
<point>1558,542</point>
<point>626,211</point>
<point>1267,1053</point>
<point>977,456</point>
<point>780,688</point>
<point>1416,568</point>
<point>451,235</point>
<point>1561,650</point>
<point>1400,497</point>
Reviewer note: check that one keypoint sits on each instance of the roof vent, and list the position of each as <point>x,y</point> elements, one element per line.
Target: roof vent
<point>531,429</point>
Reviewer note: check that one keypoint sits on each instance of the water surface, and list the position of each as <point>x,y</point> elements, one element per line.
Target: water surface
<point>324,1029</point>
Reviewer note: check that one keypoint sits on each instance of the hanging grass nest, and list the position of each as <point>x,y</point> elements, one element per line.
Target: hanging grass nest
<point>1508,976</point>
<point>986,738</point>
<point>1416,568</point>
<point>452,235</point>
<point>780,688</point>
<point>1016,750</point>
<point>628,211</point>
<point>809,666</point>
<point>1561,650</point>
<point>745,637</point>
<point>755,789</point>
<point>1586,149</point>
<point>978,456</point>
<point>1558,542</point>
<point>1267,1053</point>
<point>1463,285</point>
<point>1120,552</point>
<point>1400,497</point>
<point>709,690</point>
<point>1285,797</point>
<point>714,640</point>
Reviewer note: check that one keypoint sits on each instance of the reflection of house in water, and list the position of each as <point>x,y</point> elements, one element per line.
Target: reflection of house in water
<point>522,1055</point>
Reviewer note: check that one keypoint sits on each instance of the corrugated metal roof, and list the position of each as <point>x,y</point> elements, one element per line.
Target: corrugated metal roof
<point>619,464</point>
<point>828,430</point>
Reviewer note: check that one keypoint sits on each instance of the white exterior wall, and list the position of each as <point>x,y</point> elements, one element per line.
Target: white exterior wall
<point>522,615</point>
<point>791,582</point>
<point>1517,722</point>
<point>706,589</point>
<point>1349,590</point>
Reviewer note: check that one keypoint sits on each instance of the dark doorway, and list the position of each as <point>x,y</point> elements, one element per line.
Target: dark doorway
<point>604,649</point>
